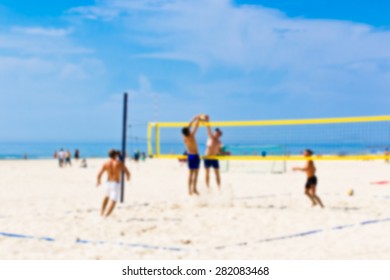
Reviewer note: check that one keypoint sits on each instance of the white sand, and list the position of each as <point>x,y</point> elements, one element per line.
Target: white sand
<point>38,199</point>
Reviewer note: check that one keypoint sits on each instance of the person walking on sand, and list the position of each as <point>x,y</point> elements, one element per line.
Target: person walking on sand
<point>311,184</point>
<point>68,158</point>
<point>76,154</point>
<point>213,148</point>
<point>114,168</point>
<point>61,157</point>
<point>193,158</point>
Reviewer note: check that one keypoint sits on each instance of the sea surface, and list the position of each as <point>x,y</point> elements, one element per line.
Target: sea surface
<point>20,150</point>
<point>45,150</point>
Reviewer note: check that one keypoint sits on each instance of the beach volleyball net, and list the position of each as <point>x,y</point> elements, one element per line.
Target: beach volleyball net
<point>352,138</point>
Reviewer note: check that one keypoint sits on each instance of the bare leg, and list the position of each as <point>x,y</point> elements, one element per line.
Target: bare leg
<point>208,178</point>
<point>314,203</point>
<point>190,175</point>
<point>194,181</point>
<point>104,205</point>
<point>110,208</point>
<point>315,196</point>
<point>218,177</point>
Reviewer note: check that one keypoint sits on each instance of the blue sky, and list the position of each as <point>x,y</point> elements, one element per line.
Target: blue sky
<point>65,64</point>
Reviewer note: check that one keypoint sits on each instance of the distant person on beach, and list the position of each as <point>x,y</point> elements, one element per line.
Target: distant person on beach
<point>84,163</point>
<point>137,155</point>
<point>193,154</point>
<point>213,148</point>
<point>311,184</point>
<point>114,168</point>
<point>61,157</point>
<point>224,151</point>
<point>76,154</point>
<point>387,155</point>
<point>68,157</point>
<point>55,155</point>
<point>184,159</point>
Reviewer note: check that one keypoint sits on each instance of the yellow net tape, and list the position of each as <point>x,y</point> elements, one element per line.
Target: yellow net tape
<point>280,122</point>
<point>286,158</point>
<point>323,121</point>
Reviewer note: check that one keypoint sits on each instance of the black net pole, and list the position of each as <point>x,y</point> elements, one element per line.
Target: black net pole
<point>124,144</point>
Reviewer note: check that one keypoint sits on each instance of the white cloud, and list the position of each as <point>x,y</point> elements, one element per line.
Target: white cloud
<point>51,96</point>
<point>214,33</point>
<point>256,63</point>
<point>109,10</point>
<point>17,65</point>
<point>322,60</point>
<point>83,69</point>
<point>39,41</point>
<point>95,13</point>
<point>34,68</point>
<point>41,31</point>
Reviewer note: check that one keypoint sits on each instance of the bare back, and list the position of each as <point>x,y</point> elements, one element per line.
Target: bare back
<point>191,144</point>
<point>113,168</point>
<point>310,169</point>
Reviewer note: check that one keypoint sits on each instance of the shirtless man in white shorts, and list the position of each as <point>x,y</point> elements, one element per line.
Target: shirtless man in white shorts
<point>213,148</point>
<point>113,167</point>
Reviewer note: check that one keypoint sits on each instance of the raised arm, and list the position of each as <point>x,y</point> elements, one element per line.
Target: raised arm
<point>209,131</point>
<point>195,123</point>
<point>194,119</point>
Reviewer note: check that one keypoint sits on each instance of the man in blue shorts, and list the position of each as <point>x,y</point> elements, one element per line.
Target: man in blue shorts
<point>193,158</point>
<point>213,148</point>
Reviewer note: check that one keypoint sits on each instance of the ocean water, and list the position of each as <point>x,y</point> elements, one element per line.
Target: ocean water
<point>18,150</point>
<point>45,150</point>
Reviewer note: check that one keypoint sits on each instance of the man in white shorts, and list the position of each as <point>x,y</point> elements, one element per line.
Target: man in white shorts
<point>61,158</point>
<point>114,168</point>
<point>213,148</point>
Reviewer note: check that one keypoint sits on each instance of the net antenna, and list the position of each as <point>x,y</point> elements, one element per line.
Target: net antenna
<point>124,126</point>
<point>348,138</point>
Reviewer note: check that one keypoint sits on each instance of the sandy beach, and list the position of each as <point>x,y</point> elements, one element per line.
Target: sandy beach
<point>52,213</point>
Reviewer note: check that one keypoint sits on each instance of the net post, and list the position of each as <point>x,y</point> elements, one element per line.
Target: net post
<point>149,139</point>
<point>157,139</point>
<point>124,145</point>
